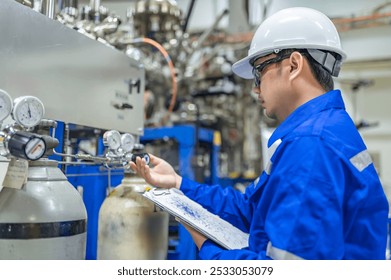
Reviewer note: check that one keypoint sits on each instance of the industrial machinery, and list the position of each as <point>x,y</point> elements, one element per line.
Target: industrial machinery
<point>188,77</point>
<point>188,81</point>
<point>84,84</point>
<point>98,72</point>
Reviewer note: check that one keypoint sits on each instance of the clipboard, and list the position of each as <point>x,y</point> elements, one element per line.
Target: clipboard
<point>193,214</point>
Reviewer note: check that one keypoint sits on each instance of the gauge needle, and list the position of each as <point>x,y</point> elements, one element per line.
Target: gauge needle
<point>29,110</point>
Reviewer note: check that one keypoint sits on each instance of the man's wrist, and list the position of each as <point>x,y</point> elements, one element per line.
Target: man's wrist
<point>178,181</point>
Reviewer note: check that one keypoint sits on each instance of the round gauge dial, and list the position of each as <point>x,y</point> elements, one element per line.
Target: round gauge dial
<point>112,139</point>
<point>5,105</point>
<point>26,145</point>
<point>127,142</point>
<point>28,111</point>
<point>35,149</point>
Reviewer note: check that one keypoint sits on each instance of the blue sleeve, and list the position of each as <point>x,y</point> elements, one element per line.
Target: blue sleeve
<point>226,202</point>
<point>211,251</point>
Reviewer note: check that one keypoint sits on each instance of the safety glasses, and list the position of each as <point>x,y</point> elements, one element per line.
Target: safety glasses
<point>257,70</point>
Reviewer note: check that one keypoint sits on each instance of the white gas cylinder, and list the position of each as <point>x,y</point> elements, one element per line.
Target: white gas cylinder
<point>130,226</point>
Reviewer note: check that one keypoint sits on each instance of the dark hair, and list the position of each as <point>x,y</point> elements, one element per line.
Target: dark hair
<point>323,76</point>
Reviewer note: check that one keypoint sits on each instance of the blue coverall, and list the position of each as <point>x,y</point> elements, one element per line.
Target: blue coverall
<point>318,198</point>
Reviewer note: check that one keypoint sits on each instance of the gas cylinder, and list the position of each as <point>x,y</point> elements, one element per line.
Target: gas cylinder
<point>130,226</point>
<point>45,219</point>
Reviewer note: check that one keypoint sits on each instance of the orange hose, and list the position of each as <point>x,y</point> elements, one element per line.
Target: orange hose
<point>172,71</point>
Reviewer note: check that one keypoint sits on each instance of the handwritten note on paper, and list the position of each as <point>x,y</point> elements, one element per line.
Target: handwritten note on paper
<point>193,214</point>
<point>17,173</point>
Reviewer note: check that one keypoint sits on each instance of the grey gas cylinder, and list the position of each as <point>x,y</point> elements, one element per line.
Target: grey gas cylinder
<point>45,219</point>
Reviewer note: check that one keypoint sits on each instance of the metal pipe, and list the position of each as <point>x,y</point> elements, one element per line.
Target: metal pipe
<point>373,20</point>
<point>49,8</point>
<point>95,13</point>
<point>189,12</point>
<point>25,2</point>
<point>95,4</point>
<point>67,4</point>
<point>197,44</point>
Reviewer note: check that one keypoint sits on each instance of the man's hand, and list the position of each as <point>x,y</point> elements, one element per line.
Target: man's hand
<point>162,174</point>
<point>198,238</point>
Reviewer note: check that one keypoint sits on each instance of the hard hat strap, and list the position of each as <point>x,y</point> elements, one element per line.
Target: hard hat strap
<point>327,60</point>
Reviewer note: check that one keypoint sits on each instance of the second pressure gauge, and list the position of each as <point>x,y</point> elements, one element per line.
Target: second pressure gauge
<point>112,139</point>
<point>5,105</point>
<point>28,111</point>
<point>127,142</point>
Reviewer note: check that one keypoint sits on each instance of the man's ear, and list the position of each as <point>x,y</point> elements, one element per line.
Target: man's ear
<point>296,61</point>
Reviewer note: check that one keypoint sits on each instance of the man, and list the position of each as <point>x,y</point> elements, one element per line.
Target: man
<point>320,196</point>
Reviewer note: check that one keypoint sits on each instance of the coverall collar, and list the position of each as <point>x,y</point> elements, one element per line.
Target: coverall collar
<point>331,99</point>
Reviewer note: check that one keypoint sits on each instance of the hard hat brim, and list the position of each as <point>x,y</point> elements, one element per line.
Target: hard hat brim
<point>243,68</point>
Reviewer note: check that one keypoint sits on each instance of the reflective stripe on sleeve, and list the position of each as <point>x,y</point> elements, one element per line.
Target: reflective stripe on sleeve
<point>362,160</point>
<point>278,254</point>
<point>272,149</point>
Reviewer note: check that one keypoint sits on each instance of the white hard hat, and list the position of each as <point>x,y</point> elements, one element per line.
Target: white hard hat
<point>299,28</point>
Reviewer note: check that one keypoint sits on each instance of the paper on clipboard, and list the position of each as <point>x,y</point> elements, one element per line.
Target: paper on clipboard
<point>212,226</point>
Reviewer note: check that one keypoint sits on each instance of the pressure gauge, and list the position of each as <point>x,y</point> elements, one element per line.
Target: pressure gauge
<point>26,145</point>
<point>5,105</point>
<point>127,142</point>
<point>28,111</point>
<point>112,139</point>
